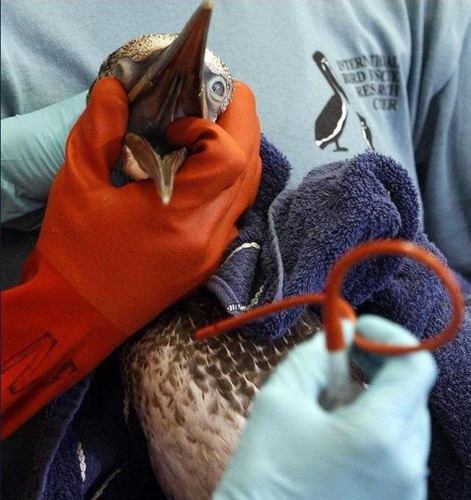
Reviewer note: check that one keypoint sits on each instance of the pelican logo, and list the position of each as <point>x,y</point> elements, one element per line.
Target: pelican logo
<point>32,357</point>
<point>331,121</point>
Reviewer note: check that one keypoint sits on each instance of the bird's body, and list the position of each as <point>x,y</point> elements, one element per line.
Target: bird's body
<point>192,398</point>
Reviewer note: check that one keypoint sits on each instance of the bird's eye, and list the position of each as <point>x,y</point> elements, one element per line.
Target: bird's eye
<point>217,88</point>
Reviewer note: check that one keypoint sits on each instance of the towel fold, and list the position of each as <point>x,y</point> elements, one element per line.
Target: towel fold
<point>289,250</point>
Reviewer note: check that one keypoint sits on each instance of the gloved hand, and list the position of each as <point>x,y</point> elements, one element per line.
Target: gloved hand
<point>375,448</point>
<point>109,259</point>
<point>32,151</point>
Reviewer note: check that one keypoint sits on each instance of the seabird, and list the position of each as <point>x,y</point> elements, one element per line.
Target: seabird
<point>191,398</point>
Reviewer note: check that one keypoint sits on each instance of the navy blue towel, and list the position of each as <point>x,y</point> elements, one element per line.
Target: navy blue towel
<point>287,244</point>
<point>289,241</point>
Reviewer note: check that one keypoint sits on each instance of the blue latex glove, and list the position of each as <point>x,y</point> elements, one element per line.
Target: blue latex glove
<point>375,448</point>
<point>32,150</point>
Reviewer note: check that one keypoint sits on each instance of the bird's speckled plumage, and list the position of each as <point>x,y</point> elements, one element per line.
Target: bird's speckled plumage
<point>192,398</point>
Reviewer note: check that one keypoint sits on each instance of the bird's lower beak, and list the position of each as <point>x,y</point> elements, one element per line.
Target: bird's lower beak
<point>171,87</point>
<point>143,162</point>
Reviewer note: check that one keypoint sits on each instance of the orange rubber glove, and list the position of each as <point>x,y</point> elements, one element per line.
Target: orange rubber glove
<point>108,259</point>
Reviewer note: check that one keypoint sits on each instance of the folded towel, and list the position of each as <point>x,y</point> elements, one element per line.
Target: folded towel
<point>291,251</point>
<point>287,244</point>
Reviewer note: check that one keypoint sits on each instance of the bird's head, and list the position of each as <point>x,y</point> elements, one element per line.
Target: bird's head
<point>167,76</point>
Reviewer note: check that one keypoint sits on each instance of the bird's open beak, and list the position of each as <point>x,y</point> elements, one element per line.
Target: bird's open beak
<point>171,87</point>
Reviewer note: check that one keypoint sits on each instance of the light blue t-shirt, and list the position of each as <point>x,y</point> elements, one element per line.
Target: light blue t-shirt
<point>331,78</point>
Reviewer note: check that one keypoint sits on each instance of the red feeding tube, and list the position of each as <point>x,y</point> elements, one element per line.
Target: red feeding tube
<point>335,308</point>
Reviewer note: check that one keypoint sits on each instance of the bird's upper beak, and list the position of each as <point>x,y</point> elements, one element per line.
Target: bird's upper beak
<point>173,83</point>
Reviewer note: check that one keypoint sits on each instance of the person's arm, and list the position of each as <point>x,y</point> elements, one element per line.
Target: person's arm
<point>108,259</point>
<point>374,448</point>
<point>32,151</point>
